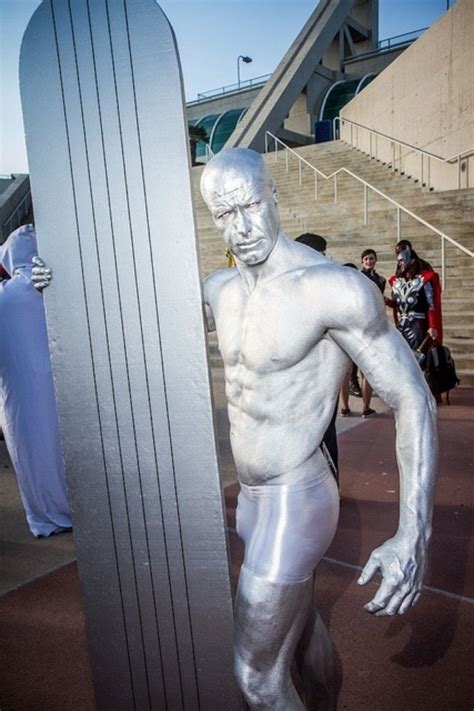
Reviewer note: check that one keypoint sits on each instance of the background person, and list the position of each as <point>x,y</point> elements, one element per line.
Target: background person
<point>318,243</point>
<point>416,300</point>
<point>406,244</point>
<point>350,384</point>
<point>27,407</point>
<point>368,260</point>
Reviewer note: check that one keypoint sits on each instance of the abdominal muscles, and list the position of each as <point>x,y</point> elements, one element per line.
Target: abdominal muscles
<point>276,431</point>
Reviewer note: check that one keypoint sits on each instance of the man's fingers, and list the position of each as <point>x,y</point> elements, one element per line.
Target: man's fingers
<point>40,274</point>
<point>369,571</point>
<point>398,602</point>
<point>409,601</point>
<point>40,285</point>
<point>382,597</point>
<point>40,271</point>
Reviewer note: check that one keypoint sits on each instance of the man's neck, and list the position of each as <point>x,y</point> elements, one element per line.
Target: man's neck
<point>275,264</point>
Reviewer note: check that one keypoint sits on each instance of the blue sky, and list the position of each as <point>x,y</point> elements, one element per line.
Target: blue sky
<point>211,34</point>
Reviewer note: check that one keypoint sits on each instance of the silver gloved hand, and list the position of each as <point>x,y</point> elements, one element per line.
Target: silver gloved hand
<point>41,274</point>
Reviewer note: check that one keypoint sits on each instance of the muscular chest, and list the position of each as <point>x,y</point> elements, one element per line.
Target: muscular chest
<point>267,330</point>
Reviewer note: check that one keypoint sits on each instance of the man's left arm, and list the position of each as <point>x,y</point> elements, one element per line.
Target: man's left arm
<point>390,367</point>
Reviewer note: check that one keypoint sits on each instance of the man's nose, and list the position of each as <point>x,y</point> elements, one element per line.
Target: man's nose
<point>242,222</point>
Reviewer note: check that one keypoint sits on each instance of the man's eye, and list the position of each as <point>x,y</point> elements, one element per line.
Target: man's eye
<point>224,215</point>
<point>254,203</point>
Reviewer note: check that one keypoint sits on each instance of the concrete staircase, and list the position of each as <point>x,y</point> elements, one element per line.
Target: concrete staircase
<point>343,226</point>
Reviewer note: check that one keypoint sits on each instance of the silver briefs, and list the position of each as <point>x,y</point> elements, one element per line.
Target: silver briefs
<point>287,528</point>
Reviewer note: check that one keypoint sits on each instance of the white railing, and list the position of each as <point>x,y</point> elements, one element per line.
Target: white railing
<point>400,209</point>
<point>401,156</point>
<point>208,152</point>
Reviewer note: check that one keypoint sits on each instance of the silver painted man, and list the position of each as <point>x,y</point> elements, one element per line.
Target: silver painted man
<point>288,322</point>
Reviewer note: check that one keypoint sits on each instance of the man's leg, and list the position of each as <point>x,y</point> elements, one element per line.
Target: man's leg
<point>315,659</point>
<point>269,621</point>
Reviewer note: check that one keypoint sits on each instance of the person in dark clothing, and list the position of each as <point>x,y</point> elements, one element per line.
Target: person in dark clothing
<point>350,384</point>
<point>329,443</point>
<point>368,259</point>
<point>310,239</point>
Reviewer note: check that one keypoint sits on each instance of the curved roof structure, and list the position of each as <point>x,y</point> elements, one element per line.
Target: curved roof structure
<point>340,93</point>
<point>218,128</point>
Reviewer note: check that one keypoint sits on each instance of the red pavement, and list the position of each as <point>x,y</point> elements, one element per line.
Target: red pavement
<point>419,662</point>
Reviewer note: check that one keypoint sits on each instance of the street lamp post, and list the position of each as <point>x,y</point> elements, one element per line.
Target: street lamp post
<point>247,60</point>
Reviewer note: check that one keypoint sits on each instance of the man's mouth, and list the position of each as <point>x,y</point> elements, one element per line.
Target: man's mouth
<point>249,245</point>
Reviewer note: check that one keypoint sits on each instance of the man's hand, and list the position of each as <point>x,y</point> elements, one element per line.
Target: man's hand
<point>401,564</point>
<point>41,275</point>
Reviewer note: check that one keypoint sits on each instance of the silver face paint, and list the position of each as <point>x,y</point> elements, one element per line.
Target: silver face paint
<point>404,258</point>
<point>244,207</point>
<point>288,320</point>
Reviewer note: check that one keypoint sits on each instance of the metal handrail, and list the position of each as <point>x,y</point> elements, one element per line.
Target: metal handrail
<point>230,88</point>
<point>367,186</point>
<point>406,37</point>
<point>456,158</point>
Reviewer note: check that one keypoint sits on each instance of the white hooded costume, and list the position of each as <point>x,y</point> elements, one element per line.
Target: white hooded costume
<point>28,414</point>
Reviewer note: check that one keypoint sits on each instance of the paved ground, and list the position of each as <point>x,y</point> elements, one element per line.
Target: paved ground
<point>419,662</point>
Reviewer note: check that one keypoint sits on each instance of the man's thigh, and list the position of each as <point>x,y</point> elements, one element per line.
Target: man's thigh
<point>269,620</point>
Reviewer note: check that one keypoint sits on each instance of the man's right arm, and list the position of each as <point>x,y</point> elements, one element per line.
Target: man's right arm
<point>361,329</point>
<point>212,286</point>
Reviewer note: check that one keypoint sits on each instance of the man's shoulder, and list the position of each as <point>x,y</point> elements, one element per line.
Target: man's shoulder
<point>217,280</point>
<point>341,289</point>
<point>329,272</point>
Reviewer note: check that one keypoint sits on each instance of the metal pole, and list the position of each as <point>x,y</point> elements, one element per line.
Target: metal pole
<point>399,224</point>
<point>315,185</point>
<point>286,157</point>
<point>299,166</point>
<point>335,188</point>
<point>366,204</point>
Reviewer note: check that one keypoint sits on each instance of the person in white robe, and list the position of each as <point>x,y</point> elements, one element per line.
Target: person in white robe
<point>28,415</point>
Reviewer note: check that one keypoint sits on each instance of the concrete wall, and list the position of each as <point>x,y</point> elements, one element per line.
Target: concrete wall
<point>425,98</point>
<point>375,63</point>
<point>298,119</point>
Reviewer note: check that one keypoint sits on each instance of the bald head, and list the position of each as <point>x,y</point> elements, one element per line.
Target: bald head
<point>231,168</point>
<point>242,200</point>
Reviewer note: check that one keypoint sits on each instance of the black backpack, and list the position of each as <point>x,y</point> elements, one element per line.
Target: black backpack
<point>440,371</point>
